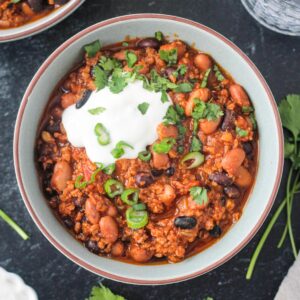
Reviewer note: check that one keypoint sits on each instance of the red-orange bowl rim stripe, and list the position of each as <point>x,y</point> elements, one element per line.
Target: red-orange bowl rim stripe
<point>78,260</point>
<point>41,27</point>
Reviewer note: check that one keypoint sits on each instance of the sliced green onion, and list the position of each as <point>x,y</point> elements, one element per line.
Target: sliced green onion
<point>164,146</point>
<point>79,183</point>
<point>192,160</point>
<point>93,176</point>
<point>99,165</point>
<point>13,225</point>
<point>109,169</point>
<point>130,196</point>
<point>113,188</point>
<point>139,206</point>
<point>205,78</point>
<point>118,151</point>
<point>102,134</point>
<point>136,219</point>
<point>144,155</point>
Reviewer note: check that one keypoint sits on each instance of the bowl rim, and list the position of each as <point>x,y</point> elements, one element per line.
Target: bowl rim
<point>39,25</point>
<point>26,200</point>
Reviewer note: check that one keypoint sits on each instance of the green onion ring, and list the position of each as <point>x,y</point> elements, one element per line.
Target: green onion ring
<point>144,155</point>
<point>130,196</point>
<point>113,188</point>
<point>79,184</point>
<point>136,219</point>
<point>139,206</point>
<point>102,134</point>
<point>197,159</point>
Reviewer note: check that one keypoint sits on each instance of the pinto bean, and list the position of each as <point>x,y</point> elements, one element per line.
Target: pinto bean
<point>160,160</point>
<point>62,173</point>
<point>164,131</point>
<point>239,95</point>
<point>228,121</point>
<point>209,126</point>
<point>143,179</point>
<point>149,43</point>
<point>139,254</point>
<point>243,177</point>
<point>232,192</point>
<point>91,212</point>
<point>221,178</point>
<point>109,229</point>
<point>233,160</point>
<point>202,61</point>
<point>200,93</point>
<point>117,249</point>
<point>112,211</point>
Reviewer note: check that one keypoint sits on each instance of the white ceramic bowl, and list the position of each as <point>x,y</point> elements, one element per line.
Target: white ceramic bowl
<point>12,34</point>
<point>244,72</point>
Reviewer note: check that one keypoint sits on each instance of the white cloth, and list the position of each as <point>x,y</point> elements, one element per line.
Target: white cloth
<point>290,286</point>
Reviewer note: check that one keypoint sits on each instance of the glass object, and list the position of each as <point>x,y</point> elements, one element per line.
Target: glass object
<point>282,16</point>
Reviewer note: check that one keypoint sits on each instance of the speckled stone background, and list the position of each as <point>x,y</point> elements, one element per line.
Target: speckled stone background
<point>51,274</point>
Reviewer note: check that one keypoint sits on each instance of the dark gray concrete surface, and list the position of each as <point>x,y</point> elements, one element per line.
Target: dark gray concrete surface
<point>51,274</point>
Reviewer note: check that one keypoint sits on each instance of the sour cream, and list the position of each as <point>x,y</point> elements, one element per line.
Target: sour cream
<point>121,118</point>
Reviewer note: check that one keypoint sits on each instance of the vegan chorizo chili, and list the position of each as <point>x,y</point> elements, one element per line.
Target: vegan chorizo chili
<point>14,13</point>
<point>182,192</point>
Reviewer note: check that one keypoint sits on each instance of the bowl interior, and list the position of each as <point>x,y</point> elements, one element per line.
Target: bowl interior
<point>40,24</point>
<point>261,198</point>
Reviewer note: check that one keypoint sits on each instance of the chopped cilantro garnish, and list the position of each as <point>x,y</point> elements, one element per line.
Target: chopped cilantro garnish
<point>143,107</point>
<point>241,132</point>
<point>199,195</point>
<point>100,78</point>
<point>213,111</point>
<point>199,109</point>
<point>108,64</point>
<point>205,78</point>
<point>218,73</point>
<point>164,97</point>
<point>103,293</point>
<point>164,146</point>
<point>196,145</point>
<point>184,87</point>
<point>131,58</point>
<point>96,110</point>
<point>173,115</point>
<point>118,81</point>
<point>92,48</point>
<point>159,35</point>
<point>169,56</point>
<point>181,70</point>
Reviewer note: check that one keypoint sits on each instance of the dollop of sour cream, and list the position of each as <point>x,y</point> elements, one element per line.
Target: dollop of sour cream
<point>122,119</point>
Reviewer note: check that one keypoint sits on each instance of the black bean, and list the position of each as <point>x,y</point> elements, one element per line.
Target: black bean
<point>248,147</point>
<point>185,222</point>
<point>170,171</point>
<point>92,246</point>
<point>68,222</point>
<point>36,5</point>
<point>143,179</point>
<point>216,231</point>
<point>156,172</point>
<point>232,192</point>
<point>228,121</point>
<point>149,43</point>
<point>84,99</point>
<point>221,178</point>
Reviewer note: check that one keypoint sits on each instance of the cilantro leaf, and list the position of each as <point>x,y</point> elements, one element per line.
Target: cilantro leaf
<point>196,145</point>
<point>118,81</point>
<point>108,64</point>
<point>103,293</point>
<point>241,132</point>
<point>218,73</point>
<point>181,70</point>
<point>184,87</point>
<point>173,115</point>
<point>199,195</point>
<point>158,83</point>
<point>164,146</point>
<point>213,111</point>
<point>96,110</point>
<point>199,109</point>
<point>100,78</point>
<point>158,35</point>
<point>92,48</point>
<point>143,107</point>
<point>289,109</point>
<point>169,56</point>
<point>131,58</point>
<point>164,97</point>
<point>288,149</point>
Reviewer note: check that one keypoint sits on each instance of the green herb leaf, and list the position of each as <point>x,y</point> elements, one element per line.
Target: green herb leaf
<point>196,144</point>
<point>289,109</point>
<point>289,150</point>
<point>118,81</point>
<point>109,64</point>
<point>103,293</point>
<point>164,97</point>
<point>159,35</point>
<point>213,111</point>
<point>96,110</point>
<point>241,132</point>
<point>143,107</point>
<point>253,120</point>
<point>218,73</point>
<point>174,115</point>
<point>199,111</point>
<point>131,58</point>
<point>158,83</point>
<point>181,70</point>
<point>164,146</point>
<point>199,195</point>
<point>92,48</point>
<point>205,78</point>
<point>184,87</point>
<point>13,225</point>
<point>100,78</point>
<point>169,56</point>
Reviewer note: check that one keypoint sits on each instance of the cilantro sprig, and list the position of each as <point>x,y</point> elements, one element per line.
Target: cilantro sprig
<point>100,292</point>
<point>289,109</point>
<point>199,195</point>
